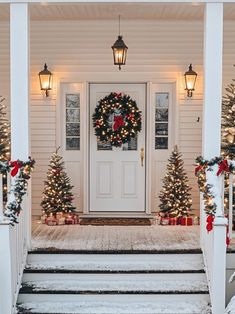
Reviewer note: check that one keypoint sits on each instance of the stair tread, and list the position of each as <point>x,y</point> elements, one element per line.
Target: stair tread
<point>114,262</point>
<point>54,250</point>
<point>134,283</point>
<point>163,306</point>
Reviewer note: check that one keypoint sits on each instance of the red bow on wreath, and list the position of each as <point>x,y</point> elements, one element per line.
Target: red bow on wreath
<point>118,95</point>
<point>118,122</point>
<point>16,166</point>
<point>223,166</point>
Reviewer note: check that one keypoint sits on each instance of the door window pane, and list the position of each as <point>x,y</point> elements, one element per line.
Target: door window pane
<point>72,121</point>
<point>161,120</point>
<point>103,145</point>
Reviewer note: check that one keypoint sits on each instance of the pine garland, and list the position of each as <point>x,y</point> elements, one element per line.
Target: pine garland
<point>116,119</point>
<point>22,172</point>
<point>225,166</point>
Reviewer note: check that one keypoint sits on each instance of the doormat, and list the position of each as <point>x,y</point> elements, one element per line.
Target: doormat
<point>116,221</point>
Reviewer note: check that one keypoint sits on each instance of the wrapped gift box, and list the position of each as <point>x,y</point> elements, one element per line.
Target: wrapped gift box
<point>43,218</point>
<point>51,221</point>
<point>76,219</point>
<point>164,221</point>
<point>59,215</point>
<point>186,221</point>
<point>173,221</point>
<point>61,221</point>
<point>69,220</point>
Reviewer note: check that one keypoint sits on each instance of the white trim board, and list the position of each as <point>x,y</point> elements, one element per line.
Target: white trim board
<point>83,88</point>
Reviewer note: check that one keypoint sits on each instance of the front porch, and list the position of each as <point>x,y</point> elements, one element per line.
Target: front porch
<point>74,39</point>
<point>116,238</point>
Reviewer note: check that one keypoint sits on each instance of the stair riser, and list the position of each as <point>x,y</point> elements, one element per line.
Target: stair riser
<point>113,277</point>
<point>112,298</point>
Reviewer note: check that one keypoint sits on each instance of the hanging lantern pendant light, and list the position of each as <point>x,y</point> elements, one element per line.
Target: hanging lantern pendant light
<point>119,50</point>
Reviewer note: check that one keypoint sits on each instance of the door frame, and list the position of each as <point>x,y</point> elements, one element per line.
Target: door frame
<point>85,104</point>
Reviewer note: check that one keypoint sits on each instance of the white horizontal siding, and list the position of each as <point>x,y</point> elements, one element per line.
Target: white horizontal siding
<point>80,50</point>
<point>159,51</point>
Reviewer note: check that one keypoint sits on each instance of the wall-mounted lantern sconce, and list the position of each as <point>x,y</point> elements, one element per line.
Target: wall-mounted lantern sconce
<point>45,78</point>
<point>119,50</point>
<point>190,80</point>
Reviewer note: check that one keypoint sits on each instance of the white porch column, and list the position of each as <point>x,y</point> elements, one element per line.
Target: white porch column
<point>213,57</point>
<point>20,68</point>
<point>19,63</point>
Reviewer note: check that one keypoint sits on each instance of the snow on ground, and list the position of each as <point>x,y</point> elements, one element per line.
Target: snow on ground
<point>119,285</point>
<point>166,307</point>
<point>76,237</point>
<point>231,307</point>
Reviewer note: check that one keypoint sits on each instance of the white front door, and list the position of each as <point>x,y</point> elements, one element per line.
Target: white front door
<point>117,177</point>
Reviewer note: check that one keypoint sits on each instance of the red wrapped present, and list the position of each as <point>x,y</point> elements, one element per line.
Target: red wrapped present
<point>165,221</point>
<point>69,220</point>
<point>186,221</point>
<point>76,219</point>
<point>179,220</point>
<point>173,221</point>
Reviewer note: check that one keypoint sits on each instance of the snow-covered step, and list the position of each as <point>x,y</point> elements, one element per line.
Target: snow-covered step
<point>100,283</point>
<point>116,304</point>
<point>111,283</point>
<point>110,263</point>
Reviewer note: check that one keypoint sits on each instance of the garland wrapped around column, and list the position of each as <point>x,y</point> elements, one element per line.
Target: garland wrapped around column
<point>206,188</point>
<point>21,171</point>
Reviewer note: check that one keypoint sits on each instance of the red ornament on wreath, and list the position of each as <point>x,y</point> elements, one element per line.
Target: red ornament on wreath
<point>117,119</point>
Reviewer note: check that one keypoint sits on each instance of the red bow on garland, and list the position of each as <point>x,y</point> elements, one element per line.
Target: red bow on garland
<point>209,226</point>
<point>209,222</point>
<point>223,166</point>
<point>16,166</point>
<point>197,169</point>
<point>118,122</point>
<point>227,238</point>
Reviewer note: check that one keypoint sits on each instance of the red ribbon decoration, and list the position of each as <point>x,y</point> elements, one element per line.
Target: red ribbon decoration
<point>118,95</point>
<point>209,222</point>
<point>223,166</point>
<point>118,122</point>
<point>227,236</point>
<point>197,169</point>
<point>16,166</point>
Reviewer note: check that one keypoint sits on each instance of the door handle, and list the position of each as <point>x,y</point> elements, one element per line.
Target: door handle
<point>142,156</point>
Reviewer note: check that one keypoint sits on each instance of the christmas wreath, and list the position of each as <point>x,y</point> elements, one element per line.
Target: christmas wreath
<point>116,119</point>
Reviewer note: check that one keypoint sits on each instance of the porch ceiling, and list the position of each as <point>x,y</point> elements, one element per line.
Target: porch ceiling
<point>104,11</point>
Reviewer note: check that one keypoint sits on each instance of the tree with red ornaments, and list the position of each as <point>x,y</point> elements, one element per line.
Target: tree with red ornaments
<point>57,194</point>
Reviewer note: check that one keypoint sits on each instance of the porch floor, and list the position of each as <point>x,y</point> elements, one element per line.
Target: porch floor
<point>115,238</point>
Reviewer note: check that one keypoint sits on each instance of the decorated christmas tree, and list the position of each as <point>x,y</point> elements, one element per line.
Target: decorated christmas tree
<point>57,194</point>
<point>5,140</point>
<point>175,194</point>
<point>5,143</point>
<point>228,122</point>
<point>228,134</point>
